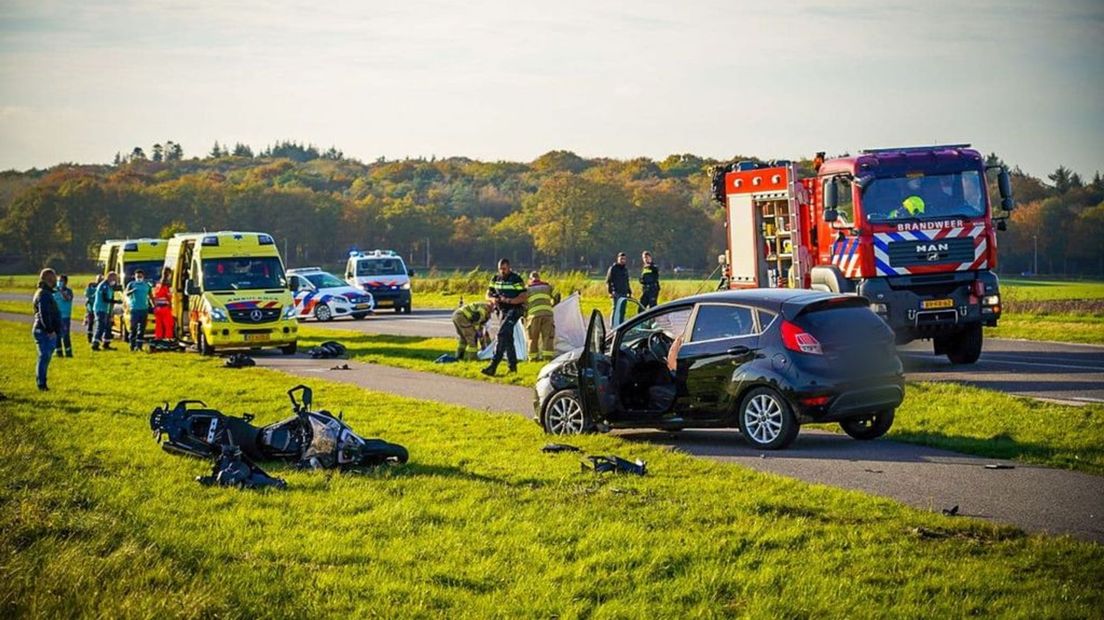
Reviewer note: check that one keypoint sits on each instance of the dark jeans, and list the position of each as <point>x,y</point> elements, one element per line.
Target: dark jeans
<point>64,344</point>
<point>505,345</point>
<point>649,298</point>
<point>103,328</point>
<point>137,328</point>
<point>46,344</point>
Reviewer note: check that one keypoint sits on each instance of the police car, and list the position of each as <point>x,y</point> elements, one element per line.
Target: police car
<point>383,274</point>
<point>324,296</point>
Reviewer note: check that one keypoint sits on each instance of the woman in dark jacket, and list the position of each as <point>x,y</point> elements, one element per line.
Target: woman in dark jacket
<point>47,323</point>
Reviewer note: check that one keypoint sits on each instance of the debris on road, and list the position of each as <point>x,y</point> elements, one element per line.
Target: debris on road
<point>341,367</point>
<point>999,466</point>
<point>327,350</point>
<point>951,512</point>
<point>239,360</point>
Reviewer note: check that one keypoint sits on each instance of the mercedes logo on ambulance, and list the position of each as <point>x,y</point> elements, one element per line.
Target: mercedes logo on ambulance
<point>256,316</point>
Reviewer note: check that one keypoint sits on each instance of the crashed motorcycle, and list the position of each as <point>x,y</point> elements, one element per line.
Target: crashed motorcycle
<point>310,439</point>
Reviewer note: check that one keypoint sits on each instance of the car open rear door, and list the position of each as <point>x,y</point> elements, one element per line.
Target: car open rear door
<point>595,372</point>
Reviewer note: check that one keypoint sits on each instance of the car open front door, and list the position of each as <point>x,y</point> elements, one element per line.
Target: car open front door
<point>595,372</point>
<point>624,309</point>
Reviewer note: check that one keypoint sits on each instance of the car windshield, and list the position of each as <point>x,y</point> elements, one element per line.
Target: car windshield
<point>232,274</point>
<point>150,268</point>
<point>671,324</point>
<point>923,197</point>
<point>324,280</point>
<point>380,267</point>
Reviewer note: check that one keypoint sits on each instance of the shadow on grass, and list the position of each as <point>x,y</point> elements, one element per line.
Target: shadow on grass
<point>1089,459</point>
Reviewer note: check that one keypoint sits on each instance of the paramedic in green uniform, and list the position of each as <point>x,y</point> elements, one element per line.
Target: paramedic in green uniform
<point>508,294</point>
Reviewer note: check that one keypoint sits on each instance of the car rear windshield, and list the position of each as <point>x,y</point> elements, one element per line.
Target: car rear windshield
<point>380,267</point>
<point>835,324</point>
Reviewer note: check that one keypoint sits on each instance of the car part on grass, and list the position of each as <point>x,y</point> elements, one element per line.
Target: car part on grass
<point>314,439</point>
<point>231,469</point>
<point>326,350</point>
<point>559,447</point>
<point>616,464</point>
<point>446,359</point>
<point>160,345</point>
<point>239,360</point>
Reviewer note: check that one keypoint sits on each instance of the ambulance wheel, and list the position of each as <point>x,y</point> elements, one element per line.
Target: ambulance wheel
<point>202,346</point>
<point>289,349</point>
<point>323,313</point>
<point>965,346</point>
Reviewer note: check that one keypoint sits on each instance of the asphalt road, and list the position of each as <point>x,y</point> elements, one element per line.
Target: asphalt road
<point>1068,373</point>
<point>1030,497</point>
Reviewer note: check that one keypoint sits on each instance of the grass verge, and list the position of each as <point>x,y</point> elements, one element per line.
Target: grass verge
<point>97,521</point>
<point>1053,327</point>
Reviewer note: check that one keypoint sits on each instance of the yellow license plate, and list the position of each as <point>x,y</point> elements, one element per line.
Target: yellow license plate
<point>362,306</point>
<point>255,337</point>
<point>932,304</point>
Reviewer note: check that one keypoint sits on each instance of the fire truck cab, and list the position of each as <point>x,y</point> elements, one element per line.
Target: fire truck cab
<point>910,229</point>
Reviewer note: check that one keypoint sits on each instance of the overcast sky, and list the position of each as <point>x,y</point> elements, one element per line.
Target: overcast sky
<point>512,79</point>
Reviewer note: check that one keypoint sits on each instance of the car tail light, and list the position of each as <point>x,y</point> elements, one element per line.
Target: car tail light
<point>815,401</point>
<point>796,339</point>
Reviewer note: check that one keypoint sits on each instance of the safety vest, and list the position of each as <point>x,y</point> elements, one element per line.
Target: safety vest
<point>540,299</point>
<point>476,312</point>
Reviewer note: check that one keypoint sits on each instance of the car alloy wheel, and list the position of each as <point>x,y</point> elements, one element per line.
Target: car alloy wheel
<point>565,415</point>
<point>323,313</point>
<point>763,418</point>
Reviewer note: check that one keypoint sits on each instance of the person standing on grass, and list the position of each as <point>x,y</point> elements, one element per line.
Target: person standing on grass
<point>47,324</point>
<point>103,304</point>
<point>138,292</point>
<point>89,301</point>
<point>542,326</point>
<point>163,328</point>
<point>508,294</point>
<point>63,297</point>
<point>649,282</point>
<point>617,279</point>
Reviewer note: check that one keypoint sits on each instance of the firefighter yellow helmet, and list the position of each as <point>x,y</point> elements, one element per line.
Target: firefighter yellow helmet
<point>914,205</point>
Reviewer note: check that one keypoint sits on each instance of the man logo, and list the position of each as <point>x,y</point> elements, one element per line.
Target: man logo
<point>932,247</point>
<point>933,256</point>
<point>256,316</point>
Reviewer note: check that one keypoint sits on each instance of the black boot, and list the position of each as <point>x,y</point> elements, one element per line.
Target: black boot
<point>490,370</point>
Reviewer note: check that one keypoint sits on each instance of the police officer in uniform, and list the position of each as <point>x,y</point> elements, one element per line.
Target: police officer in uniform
<point>541,326</point>
<point>649,281</point>
<point>508,294</point>
<point>469,321</point>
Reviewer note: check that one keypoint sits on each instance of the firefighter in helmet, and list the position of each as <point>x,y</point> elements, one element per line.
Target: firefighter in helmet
<point>912,205</point>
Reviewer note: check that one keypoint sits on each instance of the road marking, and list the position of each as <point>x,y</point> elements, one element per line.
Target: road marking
<point>991,360</point>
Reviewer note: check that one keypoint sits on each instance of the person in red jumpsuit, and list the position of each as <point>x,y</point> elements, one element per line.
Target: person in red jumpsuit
<point>162,307</point>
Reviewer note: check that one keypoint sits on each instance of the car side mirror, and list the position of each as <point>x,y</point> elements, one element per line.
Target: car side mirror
<point>293,283</point>
<point>191,288</point>
<point>1002,225</point>
<point>830,215</point>
<point>409,272</point>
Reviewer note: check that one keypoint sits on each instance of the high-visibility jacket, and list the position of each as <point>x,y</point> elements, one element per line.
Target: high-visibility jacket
<point>540,298</point>
<point>477,312</point>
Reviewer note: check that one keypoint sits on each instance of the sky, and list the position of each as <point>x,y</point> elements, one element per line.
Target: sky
<point>509,80</point>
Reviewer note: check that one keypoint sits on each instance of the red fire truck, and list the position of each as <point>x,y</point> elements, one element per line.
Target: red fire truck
<point>910,229</point>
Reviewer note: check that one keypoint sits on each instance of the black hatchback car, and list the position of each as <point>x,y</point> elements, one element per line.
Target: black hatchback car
<point>763,360</point>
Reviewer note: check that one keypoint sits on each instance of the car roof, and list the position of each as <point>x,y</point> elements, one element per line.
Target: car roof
<point>767,298</point>
<point>305,270</point>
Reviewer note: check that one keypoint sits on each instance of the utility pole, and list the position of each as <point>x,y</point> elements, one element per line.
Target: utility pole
<point>1035,268</point>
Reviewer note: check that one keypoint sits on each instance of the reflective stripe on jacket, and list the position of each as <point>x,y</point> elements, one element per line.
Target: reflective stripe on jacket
<point>540,299</point>
<point>476,312</point>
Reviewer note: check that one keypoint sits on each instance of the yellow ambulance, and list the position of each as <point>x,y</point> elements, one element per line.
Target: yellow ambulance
<point>124,257</point>
<point>230,292</point>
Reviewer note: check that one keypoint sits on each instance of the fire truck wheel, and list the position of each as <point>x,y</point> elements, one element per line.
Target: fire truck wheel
<point>871,427</point>
<point>965,347</point>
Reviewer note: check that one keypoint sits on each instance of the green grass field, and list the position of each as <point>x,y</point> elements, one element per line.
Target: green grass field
<point>95,520</point>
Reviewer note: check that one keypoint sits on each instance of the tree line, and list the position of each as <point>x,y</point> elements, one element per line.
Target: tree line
<point>559,210</point>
